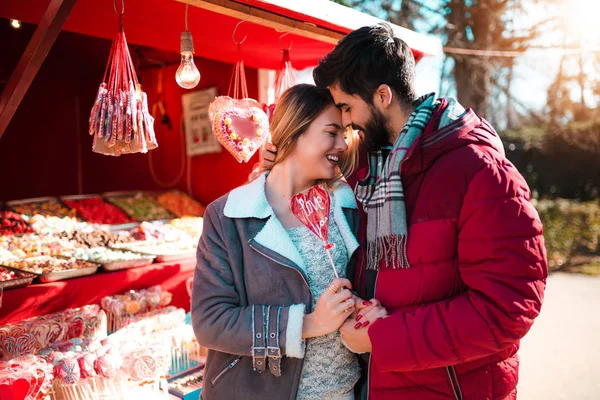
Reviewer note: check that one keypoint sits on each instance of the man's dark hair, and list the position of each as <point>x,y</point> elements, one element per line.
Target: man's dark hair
<point>366,58</point>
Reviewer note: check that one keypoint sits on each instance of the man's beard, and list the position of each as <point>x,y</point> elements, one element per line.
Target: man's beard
<point>376,132</point>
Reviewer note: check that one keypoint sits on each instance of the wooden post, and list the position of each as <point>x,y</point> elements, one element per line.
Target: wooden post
<point>34,55</point>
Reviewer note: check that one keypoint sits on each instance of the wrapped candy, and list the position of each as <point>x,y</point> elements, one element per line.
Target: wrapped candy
<point>67,368</point>
<point>140,365</point>
<point>108,365</point>
<point>27,377</point>
<point>119,120</point>
<point>86,363</point>
<point>32,335</point>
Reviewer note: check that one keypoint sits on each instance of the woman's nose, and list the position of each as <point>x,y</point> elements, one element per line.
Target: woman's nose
<point>340,143</point>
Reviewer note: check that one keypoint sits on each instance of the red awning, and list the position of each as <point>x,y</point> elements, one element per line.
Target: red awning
<point>158,24</point>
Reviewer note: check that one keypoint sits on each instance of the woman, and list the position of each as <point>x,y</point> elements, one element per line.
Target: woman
<point>264,300</point>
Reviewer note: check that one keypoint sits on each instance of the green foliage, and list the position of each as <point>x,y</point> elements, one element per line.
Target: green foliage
<point>558,161</point>
<point>571,229</point>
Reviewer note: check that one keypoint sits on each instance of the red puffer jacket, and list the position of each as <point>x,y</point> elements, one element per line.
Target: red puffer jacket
<point>477,272</point>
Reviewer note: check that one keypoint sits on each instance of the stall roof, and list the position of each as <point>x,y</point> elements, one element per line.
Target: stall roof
<point>314,26</point>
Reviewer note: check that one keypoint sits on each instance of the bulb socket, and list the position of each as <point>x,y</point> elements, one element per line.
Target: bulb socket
<point>186,43</point>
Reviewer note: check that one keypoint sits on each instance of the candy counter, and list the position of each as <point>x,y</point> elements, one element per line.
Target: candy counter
<point>129,345</point>
<point>40,299</point>
<point>82,275</point>
<point>52,239</point>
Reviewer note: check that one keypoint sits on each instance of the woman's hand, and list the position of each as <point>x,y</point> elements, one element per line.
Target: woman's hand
<point>334,306</point>
<point>369,312</point>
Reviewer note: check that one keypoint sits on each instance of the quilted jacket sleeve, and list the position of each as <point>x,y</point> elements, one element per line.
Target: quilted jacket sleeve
<point>501,260</point>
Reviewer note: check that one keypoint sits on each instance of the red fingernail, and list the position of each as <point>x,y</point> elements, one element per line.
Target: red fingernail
<point>366,303</point>
<point>357,325</point>
<point>358,317</point>
<point>366,324</point>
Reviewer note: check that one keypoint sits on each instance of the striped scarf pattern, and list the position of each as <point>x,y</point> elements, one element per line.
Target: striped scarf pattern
<point>382,195</point>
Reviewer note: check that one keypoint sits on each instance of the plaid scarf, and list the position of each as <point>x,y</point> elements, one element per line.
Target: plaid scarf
<point>382,196</point>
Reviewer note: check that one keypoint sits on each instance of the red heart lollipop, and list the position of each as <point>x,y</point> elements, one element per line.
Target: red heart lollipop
<point>312,208</point>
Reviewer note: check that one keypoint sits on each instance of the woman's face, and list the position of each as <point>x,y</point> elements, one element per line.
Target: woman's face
<point>318,150</point>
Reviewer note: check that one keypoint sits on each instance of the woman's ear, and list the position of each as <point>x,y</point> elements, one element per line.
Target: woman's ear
<point>384,96</point>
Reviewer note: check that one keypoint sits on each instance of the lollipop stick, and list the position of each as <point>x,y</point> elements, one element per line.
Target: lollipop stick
<point>331,260</point>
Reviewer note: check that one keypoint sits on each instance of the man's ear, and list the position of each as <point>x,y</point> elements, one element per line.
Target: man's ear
<point>384,96</point>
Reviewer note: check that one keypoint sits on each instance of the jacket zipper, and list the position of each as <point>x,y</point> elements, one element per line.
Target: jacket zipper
<point>227,368</point>
<point>370,355</point>
<point>250,243</point>
<point>454,382</point>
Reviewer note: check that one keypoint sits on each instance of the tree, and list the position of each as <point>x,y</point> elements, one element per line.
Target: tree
<point>468,24</point>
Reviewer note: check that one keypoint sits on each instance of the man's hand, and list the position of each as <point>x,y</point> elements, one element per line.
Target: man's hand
<point>268,153</point>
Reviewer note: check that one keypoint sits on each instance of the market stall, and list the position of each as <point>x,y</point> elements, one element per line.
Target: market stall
<point>123,257</point>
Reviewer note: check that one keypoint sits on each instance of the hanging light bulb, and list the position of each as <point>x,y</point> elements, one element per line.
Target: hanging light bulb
<point>187,75</point>
<point>15,23</point>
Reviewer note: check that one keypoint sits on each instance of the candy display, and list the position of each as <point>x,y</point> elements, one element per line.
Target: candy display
<point>145,324</point>
<point>49,224</point>
<point>98,211</point>
<point>7,275</point>
<point>103,255</point>
<point>157,232</point>
<point>47,206</point>
<point>6,255</point>
<point>140,206</point>
<point>14,279</point>
<point>31,335</point>
<point>119,120</point>
<point>11,223</point>
<point>27,377</point>
<point>119,308</point>
<point>97,238</point>
<point>164,251</point>
<point>48,264</point>
<point>32,245</point>
<point>180,204</point>
<point>190,225</point>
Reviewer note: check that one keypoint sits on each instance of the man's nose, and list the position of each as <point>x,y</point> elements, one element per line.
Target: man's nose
<point>346,120</point>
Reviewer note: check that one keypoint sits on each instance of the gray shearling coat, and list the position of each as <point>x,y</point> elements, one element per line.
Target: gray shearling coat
<point>248,279</point>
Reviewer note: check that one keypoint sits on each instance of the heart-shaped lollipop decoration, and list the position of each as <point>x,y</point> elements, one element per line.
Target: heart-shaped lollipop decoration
<point>312,209</point>
<point>241,126</point>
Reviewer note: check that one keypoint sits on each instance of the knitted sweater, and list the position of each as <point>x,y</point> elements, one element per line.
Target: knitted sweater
<point>329,369</point>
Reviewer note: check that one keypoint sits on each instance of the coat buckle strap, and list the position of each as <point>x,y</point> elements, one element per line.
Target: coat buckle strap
<point>259,344</point>
<point>273,348</point>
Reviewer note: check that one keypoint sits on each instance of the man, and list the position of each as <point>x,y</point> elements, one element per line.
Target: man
<point>452,247</point>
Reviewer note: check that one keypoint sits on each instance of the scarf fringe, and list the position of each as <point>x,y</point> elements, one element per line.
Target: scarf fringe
<point>391,248</point>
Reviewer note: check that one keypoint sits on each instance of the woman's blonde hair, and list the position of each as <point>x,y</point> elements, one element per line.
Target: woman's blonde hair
<point>296,109</point>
